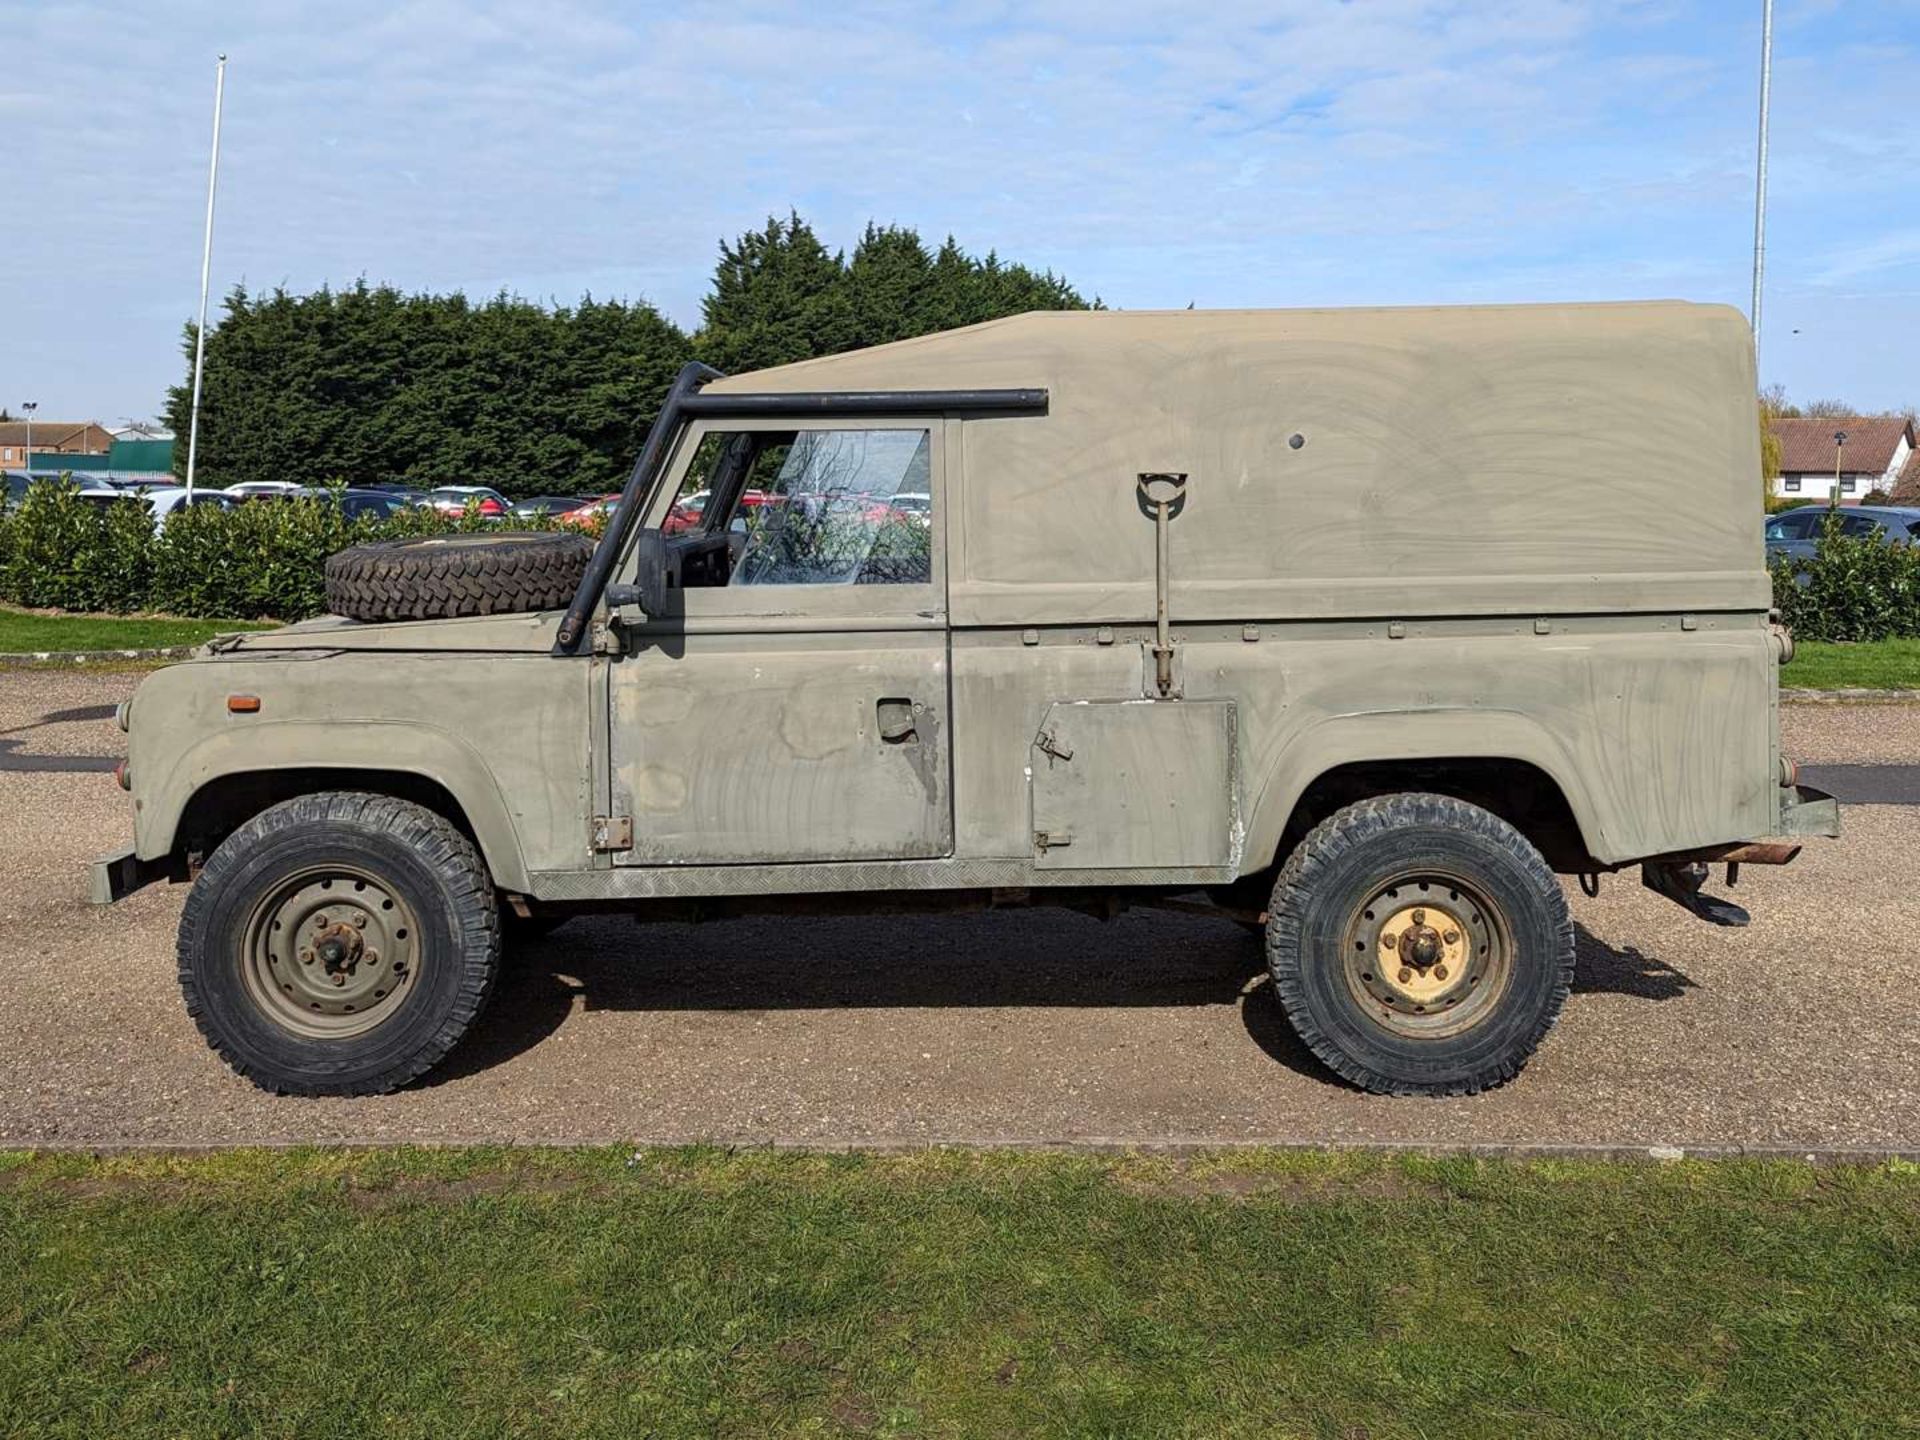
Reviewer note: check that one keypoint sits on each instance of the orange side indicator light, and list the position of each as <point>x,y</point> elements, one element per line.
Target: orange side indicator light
<point>243,704</point>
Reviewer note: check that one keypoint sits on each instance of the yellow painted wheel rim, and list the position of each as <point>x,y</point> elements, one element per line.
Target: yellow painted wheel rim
<point>1427,955</point>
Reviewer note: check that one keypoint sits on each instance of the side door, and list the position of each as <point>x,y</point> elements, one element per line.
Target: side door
<point>796,707</point>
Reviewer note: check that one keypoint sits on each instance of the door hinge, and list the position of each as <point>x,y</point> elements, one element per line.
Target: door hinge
<point>613,832</point>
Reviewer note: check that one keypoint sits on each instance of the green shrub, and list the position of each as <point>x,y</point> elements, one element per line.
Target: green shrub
<point>1854,588</point>
<point>64,552</point>
<point>263,560</point>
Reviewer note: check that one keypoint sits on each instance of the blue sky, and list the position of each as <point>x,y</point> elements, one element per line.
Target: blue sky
<point>1293,152</point>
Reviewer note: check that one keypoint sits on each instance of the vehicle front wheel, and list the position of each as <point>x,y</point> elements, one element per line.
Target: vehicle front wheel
<point>339,944</point>
<point>1419,945</point>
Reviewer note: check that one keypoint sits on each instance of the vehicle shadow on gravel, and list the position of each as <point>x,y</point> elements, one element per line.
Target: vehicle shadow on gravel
<point>1600,968</point>
<point>1016,958</point>
<point>999,959</point>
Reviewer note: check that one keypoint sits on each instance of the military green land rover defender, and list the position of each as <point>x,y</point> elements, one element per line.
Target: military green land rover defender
<point>1357,625</point>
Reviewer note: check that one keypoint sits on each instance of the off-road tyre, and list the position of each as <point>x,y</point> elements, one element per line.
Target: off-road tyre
<point>1332,888</point>
<point>401,851</point>
<point>446,576</point>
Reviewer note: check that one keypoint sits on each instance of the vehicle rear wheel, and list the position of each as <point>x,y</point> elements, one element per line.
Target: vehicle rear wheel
<point>339,944</point>
<point>1419,945</point>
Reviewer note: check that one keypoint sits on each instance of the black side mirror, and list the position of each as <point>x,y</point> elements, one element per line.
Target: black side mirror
<point>650,567</point>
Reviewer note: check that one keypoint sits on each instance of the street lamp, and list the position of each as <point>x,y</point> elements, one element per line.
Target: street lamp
<point>29,406</point>
<point>1839,445</point>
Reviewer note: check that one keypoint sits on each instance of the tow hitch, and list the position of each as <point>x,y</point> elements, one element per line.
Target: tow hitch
<point>1681,883</point>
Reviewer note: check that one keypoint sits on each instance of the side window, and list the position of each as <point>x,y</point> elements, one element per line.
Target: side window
<point>812,507</point>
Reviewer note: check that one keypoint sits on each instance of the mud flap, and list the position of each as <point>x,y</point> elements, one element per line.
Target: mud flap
<point>1681,883</point>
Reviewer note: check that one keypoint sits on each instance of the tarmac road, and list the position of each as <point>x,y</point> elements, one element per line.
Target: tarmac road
<point>1020,1026</point>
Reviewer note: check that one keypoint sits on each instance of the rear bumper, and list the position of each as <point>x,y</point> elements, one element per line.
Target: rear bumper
<point>1807,811</point>
<point>116,876</point>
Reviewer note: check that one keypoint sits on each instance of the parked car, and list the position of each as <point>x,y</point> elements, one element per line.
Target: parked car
<point>263,489</point>
<point>103,495</point>
<point>16,482</point>
<point>355,502</point>
<point>1795,534</point>
<point>166,500</point>
<point>1318,614</point>
<point>536,505</point>
<point>588,514</point>
<point>687,511</point>
<point>454,499</point>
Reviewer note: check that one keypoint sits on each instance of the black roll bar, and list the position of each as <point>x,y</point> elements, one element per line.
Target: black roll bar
<point>871,402</point>
<point>685,401</point>
<point>620,523</point>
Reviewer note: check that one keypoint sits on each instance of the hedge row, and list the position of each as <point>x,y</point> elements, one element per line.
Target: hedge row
<point>1854,588</point>
<point>262,560</point>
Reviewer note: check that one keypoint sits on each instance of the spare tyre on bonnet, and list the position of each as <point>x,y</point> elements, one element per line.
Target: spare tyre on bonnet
<point>446,576</point>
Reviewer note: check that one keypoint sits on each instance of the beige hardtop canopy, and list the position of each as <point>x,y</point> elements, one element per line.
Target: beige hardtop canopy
<point>1345,463</point>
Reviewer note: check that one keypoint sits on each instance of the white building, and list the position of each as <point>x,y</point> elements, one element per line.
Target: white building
<point>1872,455</point>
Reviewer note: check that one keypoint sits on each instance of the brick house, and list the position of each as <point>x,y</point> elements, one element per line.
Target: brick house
<point>1874,457</point>
<point>51,437</point>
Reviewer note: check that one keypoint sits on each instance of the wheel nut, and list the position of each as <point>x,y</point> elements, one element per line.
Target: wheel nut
<point>306,957</point>
<point>320,921</point>
<point>1419,917</point>
<point>1405,975</point>
<point>1452,937</point>
<point>338,978</point>
<point>1389,939</point>
<point>359,922</point>
<point>372,957</point>
<point>1439,972</point>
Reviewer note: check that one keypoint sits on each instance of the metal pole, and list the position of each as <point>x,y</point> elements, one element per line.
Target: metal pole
<point>206,268</point>
<point>30,406</point>
<point>1760,173</point>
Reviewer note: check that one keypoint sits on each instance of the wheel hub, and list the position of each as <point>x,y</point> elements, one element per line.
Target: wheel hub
<point>331,953</point>
<point>1423,955</point>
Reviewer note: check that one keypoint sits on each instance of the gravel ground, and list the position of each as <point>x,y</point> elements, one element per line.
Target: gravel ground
<point>1850,733</point>
<point>1024,1026</point>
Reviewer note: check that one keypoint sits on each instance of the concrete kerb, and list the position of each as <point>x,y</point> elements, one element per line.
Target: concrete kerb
<point>1172,1147</point>
<point>82,658</point>
<point>1854,697</point>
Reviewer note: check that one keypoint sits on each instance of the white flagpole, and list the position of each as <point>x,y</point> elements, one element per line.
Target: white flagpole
<point>1760,171</point>
<point>206,268</point>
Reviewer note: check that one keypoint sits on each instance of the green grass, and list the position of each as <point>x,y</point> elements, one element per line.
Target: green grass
<point>25,630</point>
<point>1874,665</point>
<point>669,1293</point>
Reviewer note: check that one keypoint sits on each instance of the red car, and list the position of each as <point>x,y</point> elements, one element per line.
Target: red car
<point>687,513</point>
<point>590,514</point>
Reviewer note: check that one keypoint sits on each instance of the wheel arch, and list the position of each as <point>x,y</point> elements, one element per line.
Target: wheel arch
<point>225,780</point>
<point>1501,761</point>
